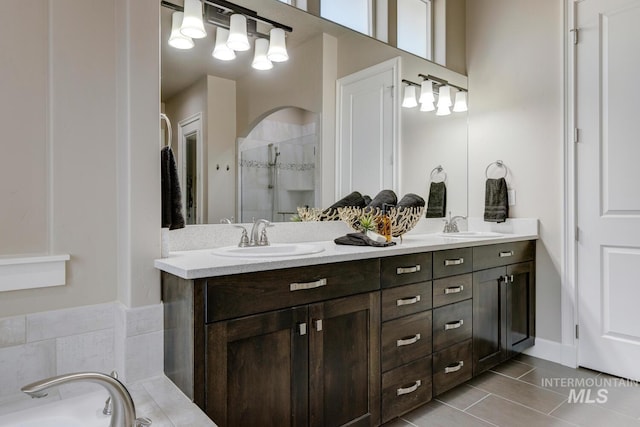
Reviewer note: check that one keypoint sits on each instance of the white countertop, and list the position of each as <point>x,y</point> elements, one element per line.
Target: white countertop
<point>195,264</point>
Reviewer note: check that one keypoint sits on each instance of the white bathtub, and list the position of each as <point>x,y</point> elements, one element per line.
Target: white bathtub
<point>81,411</point>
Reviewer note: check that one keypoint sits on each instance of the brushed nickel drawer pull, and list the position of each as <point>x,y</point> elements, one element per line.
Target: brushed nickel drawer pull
<point>406,270</point>
<point>408,390</point>
<point>505,254</point>
<point>454,367</point>
<point>408,341</point>
<point>308,285</point>
<point>318,324</point>
<point>302,328</point>
<point>448,262</point>
<point>453,325</point>
<point>454,289</point>
<point>408,301</point>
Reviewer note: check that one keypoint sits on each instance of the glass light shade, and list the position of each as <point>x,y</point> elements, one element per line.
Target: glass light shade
<point>192,25</point>
<point>427,106</point>
<point>277,47</point>
<point>443,111</point>
<point>238,39</point>
<point>461,102</point>
<point>409,100</point>
<point>444,96</point>
<point>221,50</point>
<point>177,39</point>
<point>260,60</point>
<point>426,93</point>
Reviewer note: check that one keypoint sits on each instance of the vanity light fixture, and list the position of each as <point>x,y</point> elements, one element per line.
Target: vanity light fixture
<point>460,104</point>
<point>177,39</point>
<point>260,59</point>
<point>221,51</point>
<point>426,92</point>
<point>235,24</point>
<point>277,46</point>
<point>444,97</point>
<point>238,39</point>
<point>192,25</point>
<point>427,106</point>
<point>409,100</point>
<point>443,111</point>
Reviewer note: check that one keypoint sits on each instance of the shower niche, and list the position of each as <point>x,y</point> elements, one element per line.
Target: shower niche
<point>278,164</point>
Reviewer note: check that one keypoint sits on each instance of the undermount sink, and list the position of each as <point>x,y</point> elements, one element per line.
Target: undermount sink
<point>471,234</point>
<point>273,250</point>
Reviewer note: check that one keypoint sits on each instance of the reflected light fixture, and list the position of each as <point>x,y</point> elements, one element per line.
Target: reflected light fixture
<point>427,106</point>
<point>221,51</point>
<point>177,39</point>
<point>277,46</point>
<point>192,25</point>
<point>409,100</point>
<point>443,111</point>
<point>238,39</point>
<point>260,59</point>
<point>426,93</point>
<point>444,97</point>
<point>460,104</point>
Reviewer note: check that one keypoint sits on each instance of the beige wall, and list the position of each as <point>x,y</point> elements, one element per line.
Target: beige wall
<point>82,139</point>
<point>515,63</point>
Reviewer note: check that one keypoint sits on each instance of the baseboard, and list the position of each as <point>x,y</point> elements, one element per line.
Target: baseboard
<point>553,351</point>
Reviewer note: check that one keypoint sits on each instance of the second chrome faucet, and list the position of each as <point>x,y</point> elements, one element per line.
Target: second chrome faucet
<point>257,237</point>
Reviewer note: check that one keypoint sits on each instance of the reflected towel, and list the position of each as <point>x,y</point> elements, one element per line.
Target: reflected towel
<point>360,239</point>
<point>437,206</point>
<point>496,201</point>
<point>170,187</point>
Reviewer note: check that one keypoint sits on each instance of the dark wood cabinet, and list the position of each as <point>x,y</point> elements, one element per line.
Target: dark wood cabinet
<point>503,303</point>
<point>354,343</point>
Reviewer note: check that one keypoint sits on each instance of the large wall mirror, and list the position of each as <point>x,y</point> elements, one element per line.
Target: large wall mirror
<point>269,136</point>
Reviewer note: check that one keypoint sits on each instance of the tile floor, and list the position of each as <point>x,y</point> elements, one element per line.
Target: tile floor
<point>528,391</point>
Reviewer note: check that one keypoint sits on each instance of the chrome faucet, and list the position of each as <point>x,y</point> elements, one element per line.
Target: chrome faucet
<point>262,240</point>
<point>123,408</point>
<point>451,226</point>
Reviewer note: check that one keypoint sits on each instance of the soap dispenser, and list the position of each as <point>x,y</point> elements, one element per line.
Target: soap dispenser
<point>384,226</point>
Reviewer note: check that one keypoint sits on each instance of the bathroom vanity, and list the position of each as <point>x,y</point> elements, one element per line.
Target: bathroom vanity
<point>350,335</point>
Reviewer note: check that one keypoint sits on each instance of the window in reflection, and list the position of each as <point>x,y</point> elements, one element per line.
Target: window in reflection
<point>355,14</point>
<point>414,35</point>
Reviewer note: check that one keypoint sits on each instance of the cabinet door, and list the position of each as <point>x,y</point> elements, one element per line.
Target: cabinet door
<point>489,315</point>
<point>257,369</point>
<point>521,299</point>
<point>344,361</point>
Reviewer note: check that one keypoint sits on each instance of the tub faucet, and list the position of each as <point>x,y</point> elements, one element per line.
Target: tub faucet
<point>451,226</point>
<point>262,240</point>
<point>123,412</point>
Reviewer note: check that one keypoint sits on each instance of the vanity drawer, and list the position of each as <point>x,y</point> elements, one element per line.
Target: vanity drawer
<point>405,269</point>
<point>452,324</point>
<point>452,262</point>
<point>406,339</point>
<point>452,289</point>
<point>503,254</point>
<point>239,295</point>
<point>405,300</point>
<point>405,388</point>
<point>451,366</point>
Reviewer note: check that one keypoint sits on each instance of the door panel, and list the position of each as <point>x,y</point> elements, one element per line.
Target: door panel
<point>521,307</point>
<point>608,195</point>
<point>489,311</point>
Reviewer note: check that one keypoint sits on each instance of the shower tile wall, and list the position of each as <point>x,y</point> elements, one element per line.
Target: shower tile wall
<point>293,175</point>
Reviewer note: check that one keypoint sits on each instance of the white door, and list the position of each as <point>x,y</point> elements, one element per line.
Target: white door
<point>608,185</point>
<point>367,130</point>
<point>191,157</point>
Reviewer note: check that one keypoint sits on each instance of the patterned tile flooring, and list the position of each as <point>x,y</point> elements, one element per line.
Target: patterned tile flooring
<point>530,392</point>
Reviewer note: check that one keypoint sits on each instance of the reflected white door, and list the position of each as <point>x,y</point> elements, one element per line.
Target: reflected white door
<point>367,130</point>
<point>608,180</point>
<point>190,152</point>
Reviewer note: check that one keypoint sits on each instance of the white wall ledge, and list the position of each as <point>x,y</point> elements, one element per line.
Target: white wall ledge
<point>32,272</point>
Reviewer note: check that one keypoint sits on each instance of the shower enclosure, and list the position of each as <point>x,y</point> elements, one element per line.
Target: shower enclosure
<point>278,166</point>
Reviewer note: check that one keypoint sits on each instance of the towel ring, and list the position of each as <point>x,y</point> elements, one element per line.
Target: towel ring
<point>498,163</point>
<point>437,171</point>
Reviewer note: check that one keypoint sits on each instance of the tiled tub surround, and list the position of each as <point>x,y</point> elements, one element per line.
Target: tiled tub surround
<point>100,338</point>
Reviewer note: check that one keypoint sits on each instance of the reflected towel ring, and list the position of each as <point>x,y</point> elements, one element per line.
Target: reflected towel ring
<point>437,171</point>
<point>169,131</point>
<point>498,163</point>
